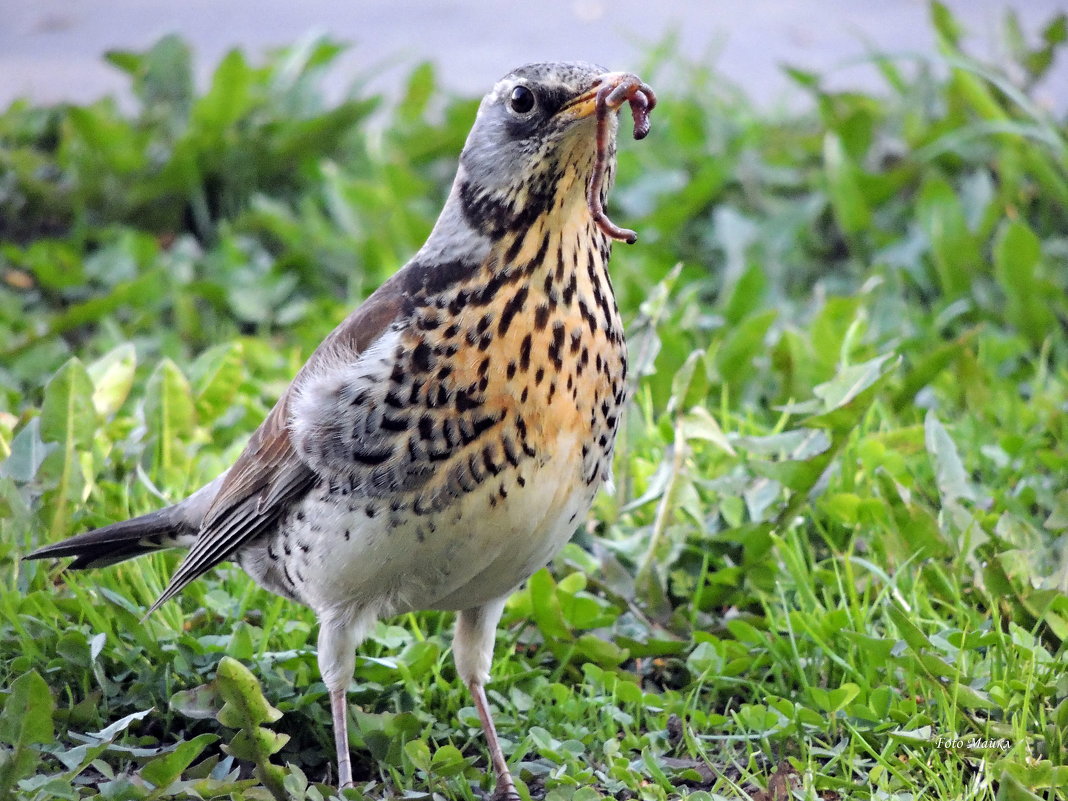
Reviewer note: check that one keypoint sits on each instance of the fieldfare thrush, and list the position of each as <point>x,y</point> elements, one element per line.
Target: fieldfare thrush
<point>447,439</point>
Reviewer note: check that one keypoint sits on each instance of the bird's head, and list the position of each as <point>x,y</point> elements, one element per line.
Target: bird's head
<point>543,140</point>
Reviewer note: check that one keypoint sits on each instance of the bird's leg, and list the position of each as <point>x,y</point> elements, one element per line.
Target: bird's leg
<point>505,786</point>
<point>341,736</point>
<point>337,659</point>
<point>472,648</point>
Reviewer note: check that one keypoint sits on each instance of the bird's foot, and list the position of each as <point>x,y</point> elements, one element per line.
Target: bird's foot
<point>505,792</point>
<point>502,792</point>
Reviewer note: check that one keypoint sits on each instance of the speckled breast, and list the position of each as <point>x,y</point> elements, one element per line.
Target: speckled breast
<point>478,428</point>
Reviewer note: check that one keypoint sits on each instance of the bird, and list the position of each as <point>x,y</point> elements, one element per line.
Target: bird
<point>449,436</point>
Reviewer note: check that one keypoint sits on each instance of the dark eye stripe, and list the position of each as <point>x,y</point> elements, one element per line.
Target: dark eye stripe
<point>552,99</point>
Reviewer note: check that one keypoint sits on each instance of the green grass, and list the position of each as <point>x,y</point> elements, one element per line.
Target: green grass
<point>834,564</point>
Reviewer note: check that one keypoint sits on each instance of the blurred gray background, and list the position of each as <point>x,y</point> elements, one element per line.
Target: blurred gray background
<point>50,50</point>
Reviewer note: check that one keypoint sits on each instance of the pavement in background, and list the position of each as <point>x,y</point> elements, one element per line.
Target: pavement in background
<point>50,50</point>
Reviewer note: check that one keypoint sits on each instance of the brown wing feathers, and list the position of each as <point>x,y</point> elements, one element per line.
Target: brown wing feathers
<point>269,476</point>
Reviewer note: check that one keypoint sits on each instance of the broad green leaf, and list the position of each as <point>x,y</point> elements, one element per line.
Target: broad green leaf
<point>69,419</point>
<point>419,753</point>
<point>199,702</point>
<point>690,384</point>
<point>931,363</point>
<point>419,658</point>
<point>847,200</point>
<point>28,452</point>
<point>421,86</point>
<point>165,769</point>
<point>699,424</point>
<point>244,705</point>
<point>228,99</point>
<point>746,296</point>
<point>67,414</point>
<point>112,376</point>
<point>600,651</point>
<point>548,615</point>
<point>26,720</point>
<point>954,249</point>
<point>109,733</point>
<point>256,744</point>
<point>952,479</point>
<point>1017,779</point>
<point>448,761</point>
<point>170,416</point>
<point>853,380</point>
<point>909,631</point>
<point>1018,268</point>
<point>216,376</point>
<point>164,81</point>
<point>741,345</point>
<point>245,708</point>
<point>834,700</point>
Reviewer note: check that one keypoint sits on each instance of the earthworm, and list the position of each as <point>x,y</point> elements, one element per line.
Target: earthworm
<point>608,99</point>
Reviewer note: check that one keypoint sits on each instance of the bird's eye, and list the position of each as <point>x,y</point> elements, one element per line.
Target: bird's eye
<point>522,100</point>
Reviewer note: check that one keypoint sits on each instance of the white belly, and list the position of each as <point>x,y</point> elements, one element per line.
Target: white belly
<point>478,549</point>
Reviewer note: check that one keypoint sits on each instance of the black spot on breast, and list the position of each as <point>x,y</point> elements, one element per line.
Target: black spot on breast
<point>524,353</point>
<point>477,472</point>
<point>448,433</point>
<point>510,452</point>
<point>570,289</point>
<point>541,316</point>
<point>426,427</point>
<point>371,457</point>
<point>556,347</point>
<point>422,358</point>
<point>513,249</point>
<point>439,455</point>
<point>456,305</point>
<point>394,423</point>
<point>511,308</point>
<point>487,460</point>
<point>464,402</point>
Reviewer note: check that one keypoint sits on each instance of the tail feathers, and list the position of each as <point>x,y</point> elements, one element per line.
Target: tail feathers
<point>119,541</point>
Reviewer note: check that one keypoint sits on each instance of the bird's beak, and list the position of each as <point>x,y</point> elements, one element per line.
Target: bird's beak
<point>621,87</point>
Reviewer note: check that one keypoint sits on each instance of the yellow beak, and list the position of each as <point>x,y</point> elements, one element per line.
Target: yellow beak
<point>585,104</point>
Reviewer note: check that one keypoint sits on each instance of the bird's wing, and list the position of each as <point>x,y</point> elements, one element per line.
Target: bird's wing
<point>272,473</point>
